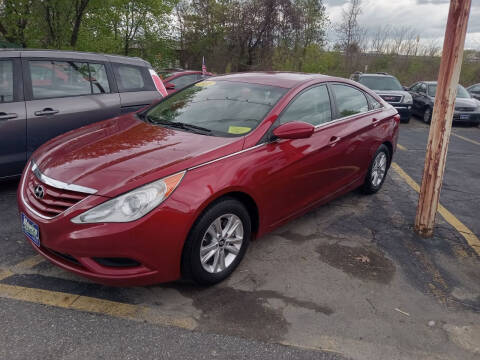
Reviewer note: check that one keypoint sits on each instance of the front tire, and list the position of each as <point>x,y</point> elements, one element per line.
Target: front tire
<point>427,115</point>
<point>377,171</point>
<point>217,242</point>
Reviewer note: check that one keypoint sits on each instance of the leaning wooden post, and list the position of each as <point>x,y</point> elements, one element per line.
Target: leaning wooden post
<point>443,109</point>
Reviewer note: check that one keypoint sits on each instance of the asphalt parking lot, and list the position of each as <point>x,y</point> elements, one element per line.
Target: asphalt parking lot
<point>348,280</point>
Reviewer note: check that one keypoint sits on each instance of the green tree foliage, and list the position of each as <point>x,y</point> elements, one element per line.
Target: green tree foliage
<point>238,35</point>
<point>130,27</point>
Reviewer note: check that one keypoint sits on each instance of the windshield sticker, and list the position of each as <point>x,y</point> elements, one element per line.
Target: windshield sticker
<point>238,129</point>
<point>205,83</point>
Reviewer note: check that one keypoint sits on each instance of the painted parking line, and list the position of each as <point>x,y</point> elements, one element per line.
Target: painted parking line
<point>21,266</point>
<point>84,303</point>
<point>94,305</point>
<point>5,274</point>
<point>469,236</point>
<point>466,139</point>
<point>401,147</point>
<point>28,263</point>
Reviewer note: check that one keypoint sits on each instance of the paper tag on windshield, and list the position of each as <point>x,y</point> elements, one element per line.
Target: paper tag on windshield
<point>238,129</point>
<point>205,83</point>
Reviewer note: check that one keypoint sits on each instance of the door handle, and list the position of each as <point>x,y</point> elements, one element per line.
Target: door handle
<point>46,111</point>
<point>5,116</point>
<point>375,121</point>
<point>334,140</point>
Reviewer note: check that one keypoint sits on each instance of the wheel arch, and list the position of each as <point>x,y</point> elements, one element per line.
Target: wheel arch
<point>389,146</point>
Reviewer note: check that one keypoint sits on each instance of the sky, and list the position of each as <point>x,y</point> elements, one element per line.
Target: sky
<point>427,17</point>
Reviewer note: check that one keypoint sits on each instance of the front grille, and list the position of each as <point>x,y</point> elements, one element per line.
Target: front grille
<point>464,109</point>
<point>54,200</point>
<point>391,98</point>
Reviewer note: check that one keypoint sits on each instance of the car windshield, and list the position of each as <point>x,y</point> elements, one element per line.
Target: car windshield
<point>462,93</point>
<point>221,108</point>
<point>381,82</point>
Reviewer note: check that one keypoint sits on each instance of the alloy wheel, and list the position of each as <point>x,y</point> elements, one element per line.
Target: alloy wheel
<point>379,169</point>
<point>221,243</point>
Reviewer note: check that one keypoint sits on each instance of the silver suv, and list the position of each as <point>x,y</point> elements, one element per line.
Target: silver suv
<point>45,93</point>
<point>390,90</point>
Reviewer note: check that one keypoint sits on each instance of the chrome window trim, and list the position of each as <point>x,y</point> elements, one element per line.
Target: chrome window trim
<point>349,117</point>
<point>60,184</point>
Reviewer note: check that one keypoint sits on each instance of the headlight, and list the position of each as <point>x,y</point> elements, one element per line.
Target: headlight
<point>407,99</point>
<point>133,204</point>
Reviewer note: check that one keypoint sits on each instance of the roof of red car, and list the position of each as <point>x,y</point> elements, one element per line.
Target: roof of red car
<point>272,78</point>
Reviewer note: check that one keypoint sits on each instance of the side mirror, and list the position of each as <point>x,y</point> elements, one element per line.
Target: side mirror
<point>294,130</point>
<point>406,88</point>
<point>169,86</point>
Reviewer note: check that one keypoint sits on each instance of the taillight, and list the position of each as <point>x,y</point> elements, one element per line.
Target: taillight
<point>158,83</point>
<point>397,118</point>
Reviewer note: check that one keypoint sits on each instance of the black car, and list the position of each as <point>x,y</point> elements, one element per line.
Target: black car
<point>390,89</point>
<point>44,93</point>
<point>474,90</point>
<point>467,109</point>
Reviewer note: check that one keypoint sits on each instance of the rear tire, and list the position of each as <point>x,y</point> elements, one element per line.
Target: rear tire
<point>210,254</point>
<point>377,171</point>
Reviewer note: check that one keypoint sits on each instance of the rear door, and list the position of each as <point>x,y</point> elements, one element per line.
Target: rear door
<point>136,86</point>
<point>65,94</point>
<point>357,124</point>
<point>12,116</point>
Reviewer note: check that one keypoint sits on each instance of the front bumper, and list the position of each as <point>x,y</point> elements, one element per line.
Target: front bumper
<point>466,117</point>
<point>405,111</point>
<point>153,244</point>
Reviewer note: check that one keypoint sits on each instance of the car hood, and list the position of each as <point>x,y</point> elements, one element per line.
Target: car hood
<point>122,153</point>
<point>466,103</point>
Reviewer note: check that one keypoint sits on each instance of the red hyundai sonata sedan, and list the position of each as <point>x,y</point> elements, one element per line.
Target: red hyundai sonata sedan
<point>179,189</point>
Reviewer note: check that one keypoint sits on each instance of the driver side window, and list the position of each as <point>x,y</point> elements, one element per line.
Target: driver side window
<point>312,106</point>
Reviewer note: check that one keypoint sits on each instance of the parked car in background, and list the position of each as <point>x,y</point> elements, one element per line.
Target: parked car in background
<point>44,93</point>
<point>474,91</point>
<point>176,80</point>
<point>389,89</point>
<point>181,187</point>
<point>467,109</point>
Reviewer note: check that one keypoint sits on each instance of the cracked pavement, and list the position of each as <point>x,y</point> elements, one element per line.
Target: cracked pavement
<point>348,280</point>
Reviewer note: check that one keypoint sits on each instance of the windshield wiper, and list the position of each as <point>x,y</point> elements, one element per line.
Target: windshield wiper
<point>180,125</point>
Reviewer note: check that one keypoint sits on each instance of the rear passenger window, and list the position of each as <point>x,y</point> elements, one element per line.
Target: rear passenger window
<point>130,78</point>
<point>311,106</point>
<point>98,76</point>
<point>6,81</point>
<point>374,104</point>
<point>52,79</point>
<point>350,101</point>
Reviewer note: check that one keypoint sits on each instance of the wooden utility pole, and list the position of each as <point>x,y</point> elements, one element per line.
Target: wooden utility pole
<point>443,110</point>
